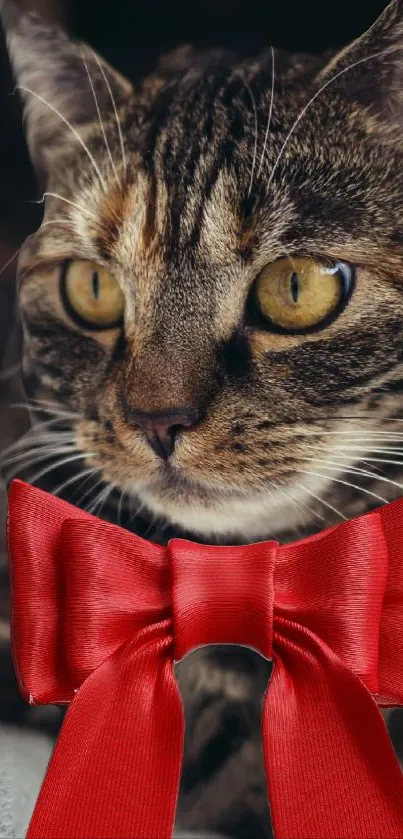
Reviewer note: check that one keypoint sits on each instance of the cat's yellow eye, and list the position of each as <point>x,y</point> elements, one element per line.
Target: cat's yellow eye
<point>298,294</point>
<point>92,295</point>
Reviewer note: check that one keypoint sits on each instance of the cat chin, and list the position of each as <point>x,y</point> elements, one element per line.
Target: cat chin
<point>245,518</point>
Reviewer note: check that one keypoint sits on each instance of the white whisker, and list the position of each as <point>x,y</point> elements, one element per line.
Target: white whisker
<point>58,463</point>
<point>88,492</point>
<point>322,501</point>
<point>84,482</point>
<point>106,80</point>
<point>42,409</point>
<point>13,454</point>
<point>370,435</point>
<point>36,454</point>
<point>30,443</point>
<point>108,491</point>
<point>314,97</point>
<point>330,478</point>
<point>136,510</point>
<point>69,125</point>
<point>266,136</point>
<point>369,418</point>
<point>85,474</point>
<point>100,117</point>
<point>368,463</point>
<point>377,450</point>
<point>26,460</point>
<point>385,456</point>
<point>42,431</point>
<point>92,507</point>
<point>46,407</point>
<point>366,449</point>
<point>100,500</point>
<point>332,464</point>
<point>81,209</point>
<point>248,88</point>
<point>119,511</point>
<point>9,261</point>
<point>299,504</point>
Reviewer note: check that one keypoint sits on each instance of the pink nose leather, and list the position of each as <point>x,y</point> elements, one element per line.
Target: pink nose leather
<point>162,428</point>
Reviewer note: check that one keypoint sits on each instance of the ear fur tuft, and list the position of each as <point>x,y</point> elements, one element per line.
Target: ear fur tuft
<point>51,73</point>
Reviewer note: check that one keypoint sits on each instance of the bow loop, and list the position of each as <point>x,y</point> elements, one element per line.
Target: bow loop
<point>107,606</point>
<point>34,532</point>
<point>222,595</point>
<point>391,637</point>
<point>74,607</point>
<point>334,586</point>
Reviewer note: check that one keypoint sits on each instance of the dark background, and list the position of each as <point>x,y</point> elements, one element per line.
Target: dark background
<point>144,29</point>
<point>133,34</point>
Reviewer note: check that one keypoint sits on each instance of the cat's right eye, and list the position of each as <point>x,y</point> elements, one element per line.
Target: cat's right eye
<point>91,296</point>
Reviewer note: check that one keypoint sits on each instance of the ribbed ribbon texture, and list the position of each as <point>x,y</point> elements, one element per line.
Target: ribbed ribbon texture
<point>99,616</point>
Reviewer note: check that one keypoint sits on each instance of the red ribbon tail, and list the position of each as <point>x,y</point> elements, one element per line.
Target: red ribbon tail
<point>325,742</point>
<point>115,770</point>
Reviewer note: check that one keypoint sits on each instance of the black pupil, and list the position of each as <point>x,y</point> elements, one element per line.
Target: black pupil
<point>294,287</point>
<point>95,285</point>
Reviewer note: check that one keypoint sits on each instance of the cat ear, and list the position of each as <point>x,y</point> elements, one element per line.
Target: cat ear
<point>62,83</point>
<point>370,70</point>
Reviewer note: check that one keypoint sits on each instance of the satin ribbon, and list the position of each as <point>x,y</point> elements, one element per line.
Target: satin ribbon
<point>99,615</point>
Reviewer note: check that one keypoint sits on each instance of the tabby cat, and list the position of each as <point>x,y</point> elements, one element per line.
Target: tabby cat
<point>212,315</point>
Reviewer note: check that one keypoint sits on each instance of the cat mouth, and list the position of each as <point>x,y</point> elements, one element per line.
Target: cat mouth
<point>181,505</point>
<point>173,479</point>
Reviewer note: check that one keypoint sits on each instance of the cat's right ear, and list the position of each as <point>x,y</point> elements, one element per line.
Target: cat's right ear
<point>64,85</point>
<point>369,72</point>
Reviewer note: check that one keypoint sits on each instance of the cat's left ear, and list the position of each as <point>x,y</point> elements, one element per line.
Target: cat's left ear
<point>370,70</point>
<point>62,83</point>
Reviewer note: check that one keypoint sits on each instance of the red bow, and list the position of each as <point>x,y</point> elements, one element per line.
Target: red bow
<point>100,610</point>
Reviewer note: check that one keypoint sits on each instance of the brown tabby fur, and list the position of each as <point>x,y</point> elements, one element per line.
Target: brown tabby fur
<point>204,202</point>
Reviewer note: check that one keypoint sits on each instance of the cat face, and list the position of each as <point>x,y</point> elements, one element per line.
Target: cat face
<point>216,289</point>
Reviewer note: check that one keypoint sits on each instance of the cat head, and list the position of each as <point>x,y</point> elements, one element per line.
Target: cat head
<point>216,288</point>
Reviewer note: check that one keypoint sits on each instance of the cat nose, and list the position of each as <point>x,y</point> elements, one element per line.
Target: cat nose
<point>162,428</point>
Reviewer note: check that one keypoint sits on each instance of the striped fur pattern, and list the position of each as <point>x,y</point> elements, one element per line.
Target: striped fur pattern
<point>184,187</point>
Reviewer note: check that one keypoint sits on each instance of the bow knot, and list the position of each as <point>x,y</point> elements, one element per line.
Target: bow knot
<point>222,595</point>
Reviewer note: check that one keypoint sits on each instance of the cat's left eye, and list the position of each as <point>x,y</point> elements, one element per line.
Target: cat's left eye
<point>299,294</point>
<point>91,295</point>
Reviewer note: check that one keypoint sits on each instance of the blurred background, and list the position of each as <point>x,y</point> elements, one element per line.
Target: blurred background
<point>131,35</point>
